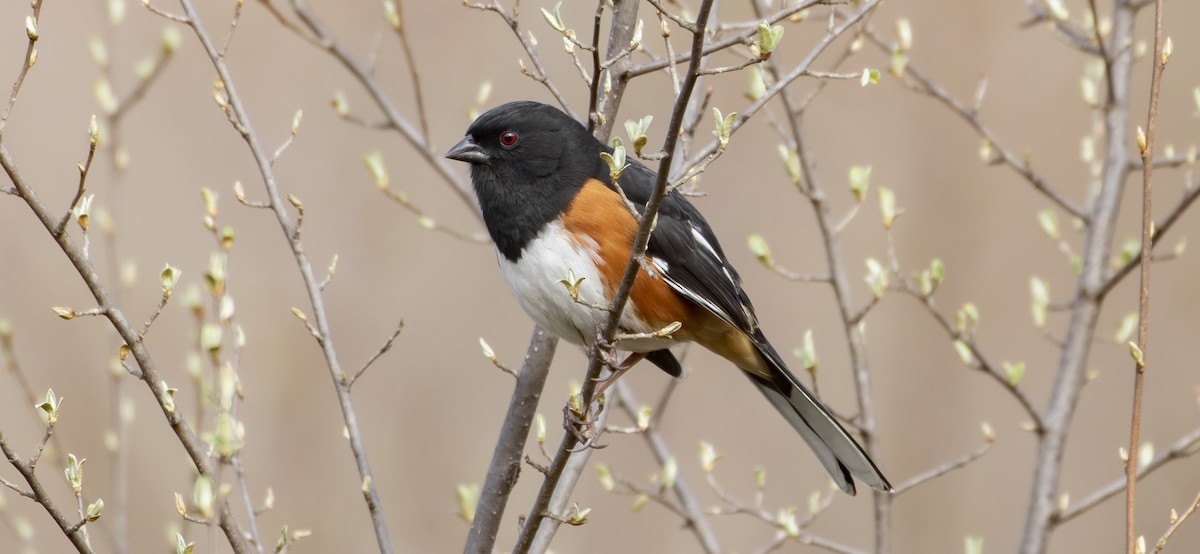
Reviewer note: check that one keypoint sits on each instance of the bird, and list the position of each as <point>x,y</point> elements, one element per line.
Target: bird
<point>557,217</point>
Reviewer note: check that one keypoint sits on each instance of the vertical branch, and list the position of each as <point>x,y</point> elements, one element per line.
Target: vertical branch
<point>1146,144</point>
<point>553,474</point>
<point>510,445</point>
<point>620,32</point>
<point>1089,294</point>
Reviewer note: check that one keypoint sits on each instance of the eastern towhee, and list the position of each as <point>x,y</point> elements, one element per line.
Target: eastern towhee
<point>552,209</point>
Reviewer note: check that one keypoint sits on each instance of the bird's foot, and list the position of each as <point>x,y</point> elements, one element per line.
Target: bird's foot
<point>582,427</point>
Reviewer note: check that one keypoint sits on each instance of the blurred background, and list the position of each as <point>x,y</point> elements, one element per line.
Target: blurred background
<point>431,408</point>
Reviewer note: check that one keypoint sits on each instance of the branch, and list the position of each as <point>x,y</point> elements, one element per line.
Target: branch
<point>399,27</point>
<point>1146,144</point>
<point>241,121</point>
<point>943,469</point>
<point>38,493</point>
<point>981,361</point>
<point>27,64</point>
<point>717,46</point>
<point>689,507</point>
<point>1160,230</point>
<point>510,445</point>
<point>1065,29</point>
<point>758,512</point>
<point>1184,447</point>
<point>387,345</point>
<point>1178,521</point>
<point>918,82</point>
<point>419,141</point>
<point>783,81</point>
<point>539,72</point>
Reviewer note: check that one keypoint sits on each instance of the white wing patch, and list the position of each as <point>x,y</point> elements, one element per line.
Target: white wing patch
<point>696,234</point>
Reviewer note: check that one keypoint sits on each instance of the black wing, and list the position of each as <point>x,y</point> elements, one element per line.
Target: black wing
<point>685,250</point>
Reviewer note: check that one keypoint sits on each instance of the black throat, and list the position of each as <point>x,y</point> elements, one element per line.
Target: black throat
<point>516,208</point>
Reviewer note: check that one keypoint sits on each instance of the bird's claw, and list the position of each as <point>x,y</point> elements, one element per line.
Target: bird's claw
<point>582,428</point>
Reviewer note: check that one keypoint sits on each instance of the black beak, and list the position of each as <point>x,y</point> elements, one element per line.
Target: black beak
<point>467,151</point>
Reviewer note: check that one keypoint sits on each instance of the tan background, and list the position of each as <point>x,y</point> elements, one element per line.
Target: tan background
<point>431,408</point>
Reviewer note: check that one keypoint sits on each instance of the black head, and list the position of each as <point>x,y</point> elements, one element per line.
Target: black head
<point>526,139</point>
<point>528,160</point>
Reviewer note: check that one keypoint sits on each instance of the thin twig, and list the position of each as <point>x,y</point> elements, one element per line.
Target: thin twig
<point>1160,230</point>
<point>729,42</point>
<point>943,469</point>
<point>247,503</point>
<point>539,72</point>
<point>1184,447</point>
<point>387,345</point>
<point>1162,541</point>
<point>411,61</point>
<point>918,82</point>
<point>689,507</point>
<point>784,80</point>
<point>429,223</point>
<point>593,82</point>
<point>1065,29</point>
<point>27,63</point>
<point>1103,50</point>
<point>980,361</point>
<point>84,168</point>
<point>322,38</point>
<point>758,512</point>
<point>1147,148</point>
<point>39,494</point>
<point>165,14</point>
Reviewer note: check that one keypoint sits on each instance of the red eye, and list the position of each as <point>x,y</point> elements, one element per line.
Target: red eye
<point>508,139</point>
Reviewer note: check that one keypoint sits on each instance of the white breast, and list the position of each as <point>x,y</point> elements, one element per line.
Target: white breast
<point>535,282</point>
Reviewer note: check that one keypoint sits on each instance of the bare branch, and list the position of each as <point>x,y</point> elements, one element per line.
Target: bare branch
<point>29,59</point>
<point>506,459</point>
<point>719,45</point>
<point>943,469</point>
<point>387,345</point>
<point>1162,541</point>
<point>1184,447</point>
<point>1146,143</point>
<point>1160,230</point>
<point>39,494</point>
<point>918,82</point>
<point>539,72</point>
<point>411,61</point>
<point>689,506</point>
<point>980,361</point>
<point>165,14</point>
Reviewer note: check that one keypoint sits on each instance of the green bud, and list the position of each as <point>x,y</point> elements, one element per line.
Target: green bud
<point>607,481</point>
<point>468,498</point>
<point>760,249</point>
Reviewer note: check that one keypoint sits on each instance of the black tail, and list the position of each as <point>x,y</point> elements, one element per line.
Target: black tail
<point>838,451</point>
